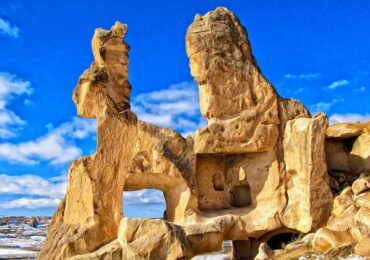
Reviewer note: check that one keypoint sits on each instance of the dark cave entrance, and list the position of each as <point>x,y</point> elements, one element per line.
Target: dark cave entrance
<point>280,240</point>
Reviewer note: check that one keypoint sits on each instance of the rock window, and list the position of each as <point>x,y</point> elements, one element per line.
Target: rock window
<point>147,203</point>
<point>218,181</point>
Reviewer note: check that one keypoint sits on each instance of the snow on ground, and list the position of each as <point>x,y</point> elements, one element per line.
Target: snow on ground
<point>15,253</point>
<point>215,256</point>
<point>24,241</point>
<point>224,254</point>
<point>21,240</point>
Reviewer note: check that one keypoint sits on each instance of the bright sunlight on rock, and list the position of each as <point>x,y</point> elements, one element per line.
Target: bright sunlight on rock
<point>263,174</point>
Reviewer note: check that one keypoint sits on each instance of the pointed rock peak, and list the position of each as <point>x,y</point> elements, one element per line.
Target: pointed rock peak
<point>105,86</point>
<point>119,29</point>
<point>228,30</point>
<point>108,46</point>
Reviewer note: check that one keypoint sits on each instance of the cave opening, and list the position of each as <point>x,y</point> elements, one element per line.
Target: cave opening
<point>240,196</point>
<point>279,241</point>
<point>349,142</point>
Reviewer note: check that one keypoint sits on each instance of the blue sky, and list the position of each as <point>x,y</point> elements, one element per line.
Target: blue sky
<point>315,51</point>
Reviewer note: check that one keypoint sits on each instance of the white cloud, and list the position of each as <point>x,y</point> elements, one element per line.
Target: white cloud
<point>11,87</point>
<point>57,146</point>
<point>77,128</point>
<point>298,91</point>
<point>362,89</point>
<point>8,29</point>
<point>338,83</point>
<point>30,203</point>
<point>33,185</point>
<point>148,196</point>
<point>302,76</point>
<point>174,107</point>
<point>324,106</point>
<point>39,192</point>
<point>351,118</point>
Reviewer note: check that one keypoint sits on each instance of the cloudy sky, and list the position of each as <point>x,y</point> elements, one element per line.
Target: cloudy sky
<point>315,51</point>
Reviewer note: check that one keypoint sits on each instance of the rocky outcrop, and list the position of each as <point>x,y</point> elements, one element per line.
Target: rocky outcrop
<point>241,106</point>
<point>347,230</point>
<point>257,171</point>
<point>347,153</point>
<point>309,205</point>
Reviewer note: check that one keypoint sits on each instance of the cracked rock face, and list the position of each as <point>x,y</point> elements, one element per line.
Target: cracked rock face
<point>240,104</point>
<point>257,170</point>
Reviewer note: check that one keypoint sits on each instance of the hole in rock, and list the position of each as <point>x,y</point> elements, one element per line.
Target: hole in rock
<point>242,174</point>
<point>218,181</point>
<point>279,241</point>
<point>348,143</point>
<point>240,196</point>
<point>147,203</point>
<point>224,253</point>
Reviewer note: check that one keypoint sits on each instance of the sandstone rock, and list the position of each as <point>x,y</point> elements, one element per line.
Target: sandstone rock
<point>361,224</point>
<point>264,252</point>
<point>153,239</point>
<point>361,185</point>
<point>326,239</point>
<point>360,154</point>
<point>363,200</point>
<point>347,148</point>
<point>290,109</point>
<point>362,248</point>
<point>240,104</point>
<point>295,249</point>
<point>309,205</point>
<point>257,170</point>
<point>347,130</point>
<point>337,156</point>
<point>347,229</point>
<point>105,84</point>
<point>343,202</point>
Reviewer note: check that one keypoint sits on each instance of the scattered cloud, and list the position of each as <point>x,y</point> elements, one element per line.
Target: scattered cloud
<point>324,106</point>
<point>39,192</point>
<point>7,29</point>
<point>338,83</point>
<point>174,107</point>
<point>299,90</point>
<point>32,185</point>
<point>30,203</point>
<point>340,118</point>
<point>57,146</point>
<point>302,76</point>
<point>11,87</point>
<point>148,196</point>
<point>361,89</point>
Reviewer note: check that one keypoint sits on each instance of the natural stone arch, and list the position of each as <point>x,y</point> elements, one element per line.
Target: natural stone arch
<point>176,192</point>
<point>249,126</point>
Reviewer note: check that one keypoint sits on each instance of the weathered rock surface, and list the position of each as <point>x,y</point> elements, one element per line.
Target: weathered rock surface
<point>258,170</point>
<point>309,205</point>
<point>347,230</point>
<point>240,104</point>
<point>347,153</point>
<point>347,130</point>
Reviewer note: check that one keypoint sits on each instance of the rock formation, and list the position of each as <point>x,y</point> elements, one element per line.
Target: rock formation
<point>257,170</point>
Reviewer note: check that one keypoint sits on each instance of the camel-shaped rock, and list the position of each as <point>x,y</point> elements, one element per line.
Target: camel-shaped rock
<point>258,169</point>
